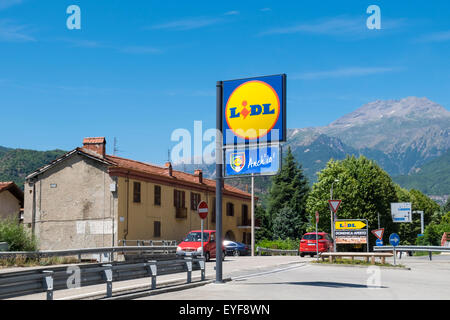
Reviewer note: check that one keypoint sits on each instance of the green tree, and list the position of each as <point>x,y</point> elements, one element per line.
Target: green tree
<point>364,188</point>
<point>289,190</point>
<point>287,224</point>
<point>264,232</point>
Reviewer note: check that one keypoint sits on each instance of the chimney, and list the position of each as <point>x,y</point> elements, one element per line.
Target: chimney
<point>199,173</point>
<point>98,145</point>
<point>169,168</point>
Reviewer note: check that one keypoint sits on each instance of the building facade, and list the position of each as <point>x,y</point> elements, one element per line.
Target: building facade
<point>11,201</point>
<point>89,199</point>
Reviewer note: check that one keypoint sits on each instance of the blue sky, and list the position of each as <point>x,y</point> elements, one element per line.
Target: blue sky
<point>137,70</point>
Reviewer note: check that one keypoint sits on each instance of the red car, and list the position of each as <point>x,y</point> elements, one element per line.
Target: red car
<point>308,243</point>
<point>192,245</point>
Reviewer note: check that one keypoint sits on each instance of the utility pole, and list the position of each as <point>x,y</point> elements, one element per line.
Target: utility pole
<point>253,216</point>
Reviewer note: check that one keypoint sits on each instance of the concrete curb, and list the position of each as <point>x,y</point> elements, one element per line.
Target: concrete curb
<point>356,266</point>
<point>166,289</point>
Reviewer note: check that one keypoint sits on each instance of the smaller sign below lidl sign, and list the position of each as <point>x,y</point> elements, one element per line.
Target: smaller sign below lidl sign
<point>351,224</point>
<point>261,160</point>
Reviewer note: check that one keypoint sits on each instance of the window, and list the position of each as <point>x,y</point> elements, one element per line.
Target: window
<point>195,200</point>
<point>179,203</point>
<point>137,192</point>
<point>312,237</point>
<point>179,199</point>
<point>230,209</point>
<point>157,229</point>
<point>157,195</point>
<point>245,220</point>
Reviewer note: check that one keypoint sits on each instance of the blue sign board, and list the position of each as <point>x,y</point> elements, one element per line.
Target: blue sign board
<point>379,243</point>
<point>257,160</point>
<point>254,110</point>
<point>394,239</point>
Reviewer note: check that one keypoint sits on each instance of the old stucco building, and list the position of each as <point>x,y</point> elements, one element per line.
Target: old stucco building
<point>11,200</point>
<point>89,199</point>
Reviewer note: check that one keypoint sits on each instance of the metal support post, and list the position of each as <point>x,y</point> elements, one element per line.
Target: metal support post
<point>48,284</point>
<point>153,272</point>
<point>108,274</point>
<point>219,180</point>
<point>202,268</point>
<point>189,269</point>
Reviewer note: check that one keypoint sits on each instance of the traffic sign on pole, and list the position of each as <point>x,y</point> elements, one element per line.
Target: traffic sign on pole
<point>394,239</point>
<point>379,243</point>
<point>378,233</point>
<point>317,216</point>
<point>334,205</point>
<point>202,210</point>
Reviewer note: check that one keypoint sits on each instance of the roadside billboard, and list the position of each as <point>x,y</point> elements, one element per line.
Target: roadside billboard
<point>254,110</point>
<point>252,160</point>
<point>351,232</point>
<point>401,212</point>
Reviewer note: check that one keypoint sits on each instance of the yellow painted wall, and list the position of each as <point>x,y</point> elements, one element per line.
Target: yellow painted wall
<point>141,216</point>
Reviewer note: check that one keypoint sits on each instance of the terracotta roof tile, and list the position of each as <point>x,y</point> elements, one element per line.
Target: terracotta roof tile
<point>5,185</point>
<point>161,171</point>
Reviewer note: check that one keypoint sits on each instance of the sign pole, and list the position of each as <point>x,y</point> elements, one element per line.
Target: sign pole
<point>253,216</point>
<point>219,180</point>
<point>367,237</point>
<point>202,239</point>
<point>317,237</point>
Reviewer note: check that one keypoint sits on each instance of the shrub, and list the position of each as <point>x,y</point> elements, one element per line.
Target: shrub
<point>288,244</point>
<point>17,237</point>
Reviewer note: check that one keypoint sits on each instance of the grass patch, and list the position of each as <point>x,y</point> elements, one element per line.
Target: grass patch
<point>422,253</point>
<point>29,262</point>
<point>357,262</point>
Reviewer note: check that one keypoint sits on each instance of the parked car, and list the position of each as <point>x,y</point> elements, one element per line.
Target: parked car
<point>233,248</point>
<point>308,243</point>
<point>191,245</point>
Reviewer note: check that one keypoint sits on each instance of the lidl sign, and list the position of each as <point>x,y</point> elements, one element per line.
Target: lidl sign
<point>254,110</point>
<point>349,225</point>
<point>252,160</point>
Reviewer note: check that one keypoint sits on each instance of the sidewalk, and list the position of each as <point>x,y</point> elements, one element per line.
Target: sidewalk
<point>232,267</point>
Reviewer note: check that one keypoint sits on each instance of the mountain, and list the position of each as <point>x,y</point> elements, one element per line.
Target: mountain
<point>432,178</point>
<point>400,135</point>
<point>16,164</point>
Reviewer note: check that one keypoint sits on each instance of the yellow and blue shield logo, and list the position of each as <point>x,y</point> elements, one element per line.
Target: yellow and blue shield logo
<point>237,161</point>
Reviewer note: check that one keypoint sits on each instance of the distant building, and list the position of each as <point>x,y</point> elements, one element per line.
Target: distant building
<point>11,201</point>
<point>86,198</point>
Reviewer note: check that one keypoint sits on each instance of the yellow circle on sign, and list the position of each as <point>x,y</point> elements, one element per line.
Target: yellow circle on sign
<point>252,110</point>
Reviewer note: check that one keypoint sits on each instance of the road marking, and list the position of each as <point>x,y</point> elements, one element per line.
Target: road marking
<point>260,274</point>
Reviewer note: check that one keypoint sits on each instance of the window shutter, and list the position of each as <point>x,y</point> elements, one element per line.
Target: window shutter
<point>183,202</point>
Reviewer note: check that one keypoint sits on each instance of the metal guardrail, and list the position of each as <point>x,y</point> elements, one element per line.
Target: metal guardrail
<point>79,252</point>
<point>125,242</point>
<point>429,249</point>
<point>4,246</point>
<point>16,284</point>
<point>260,250</point>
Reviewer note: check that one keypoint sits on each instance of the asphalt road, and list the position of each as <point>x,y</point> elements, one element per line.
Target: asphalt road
<point>425,280</point>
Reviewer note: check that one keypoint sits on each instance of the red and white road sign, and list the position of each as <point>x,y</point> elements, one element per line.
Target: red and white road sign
<point>317,216</point>
<point>202,209</point>
<point>334,205</point>
<point>378,233</point>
